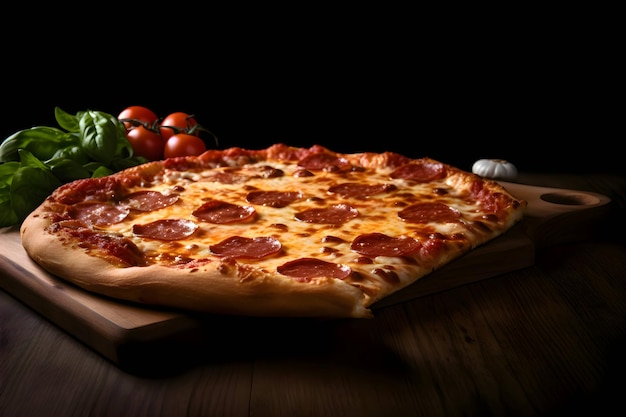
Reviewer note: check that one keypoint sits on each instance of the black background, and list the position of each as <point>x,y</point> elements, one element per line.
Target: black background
<point>543,97</point>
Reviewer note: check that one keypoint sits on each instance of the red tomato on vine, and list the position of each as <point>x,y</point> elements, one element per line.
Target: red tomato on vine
<point>137,113</point>
<point>183,144</point>
<point>177,122</point>
<point>146,143</point>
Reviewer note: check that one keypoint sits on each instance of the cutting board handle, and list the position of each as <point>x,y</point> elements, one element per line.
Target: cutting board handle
<point>558,215</point>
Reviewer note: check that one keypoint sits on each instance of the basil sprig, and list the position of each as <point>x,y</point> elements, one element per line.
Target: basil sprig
<point>35,161</point>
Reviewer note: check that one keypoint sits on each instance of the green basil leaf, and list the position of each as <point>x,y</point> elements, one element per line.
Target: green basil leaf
<point>31,185</point>
<point>92,166</point>
<point>124,147</point>
<point>98,169</point>
<point>7,170</point>
<point>102,171</point>
<point>67,121</point>
<point>7,215</point>
<point>69,170</point>
<point>42,141</point>
<point>74,152</point>
<point>27,159</point>
<point>98,135</point>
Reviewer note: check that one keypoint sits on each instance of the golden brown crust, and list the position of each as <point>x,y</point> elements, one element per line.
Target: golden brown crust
<point>213,288</point>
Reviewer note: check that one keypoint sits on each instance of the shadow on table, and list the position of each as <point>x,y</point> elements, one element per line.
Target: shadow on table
<point>220,339</point>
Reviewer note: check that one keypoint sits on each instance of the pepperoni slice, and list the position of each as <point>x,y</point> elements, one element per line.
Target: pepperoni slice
<point>357,190</point>
<point>166,229</point>
<point>324,162</point>
<point>98,213</point>
<point>267,171</point>
<point>247,248</point>
<point>424,171</point>
<point>220,212</point>
<point>429,212</point>
<point>337,214</point>
<point>276,199</point>
<point>303,173</point>
<point>379,244</point>
<point>148,200</point>
<point>228,177</point>
<point>305,269</point>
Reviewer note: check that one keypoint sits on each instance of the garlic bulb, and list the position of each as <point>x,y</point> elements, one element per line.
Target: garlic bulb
<point>494,169</point>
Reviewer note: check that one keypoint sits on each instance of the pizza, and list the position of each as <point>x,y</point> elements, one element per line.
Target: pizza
<point>277,232</point>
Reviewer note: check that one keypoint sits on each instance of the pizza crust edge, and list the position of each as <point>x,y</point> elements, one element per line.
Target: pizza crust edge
<point>218,287</point>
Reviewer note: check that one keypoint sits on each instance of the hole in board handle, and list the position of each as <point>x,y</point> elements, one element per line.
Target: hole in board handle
<point>570,199</point>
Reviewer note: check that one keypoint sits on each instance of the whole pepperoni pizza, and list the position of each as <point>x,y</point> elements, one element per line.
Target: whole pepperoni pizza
<point>278,232</point>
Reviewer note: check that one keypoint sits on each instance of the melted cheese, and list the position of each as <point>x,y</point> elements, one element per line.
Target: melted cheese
<point>377,213</point>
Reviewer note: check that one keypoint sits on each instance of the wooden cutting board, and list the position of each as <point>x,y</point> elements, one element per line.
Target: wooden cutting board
<point>123,332</point>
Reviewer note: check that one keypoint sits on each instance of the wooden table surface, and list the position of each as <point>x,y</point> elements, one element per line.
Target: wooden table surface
<point>546,340</point>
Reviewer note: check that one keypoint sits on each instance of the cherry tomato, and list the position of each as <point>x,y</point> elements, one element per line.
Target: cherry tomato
<point>146,143</point>
<point>183,144</point>
<point>176,120</point>
<point>140,113</point>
